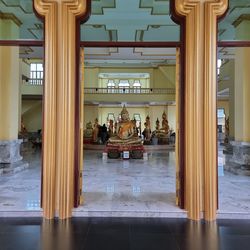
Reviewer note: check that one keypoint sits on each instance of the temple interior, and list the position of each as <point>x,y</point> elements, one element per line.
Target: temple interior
<point>129,112</point>
<point>129,160</point>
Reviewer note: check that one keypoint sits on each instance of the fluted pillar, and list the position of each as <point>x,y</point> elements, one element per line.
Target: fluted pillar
<point>200,105</point>
<point>59,104</point>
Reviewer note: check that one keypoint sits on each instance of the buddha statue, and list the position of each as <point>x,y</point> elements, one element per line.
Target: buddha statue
<point>111,127</point>
<point>162,134</point>
<point>147,131</point>
<point>126,127</point>
<point>96,130</point>
<point>157,124</point>
<point>126,130</point>
<point>165,126</point>
<point>226,139</point>
<point>88,132</point>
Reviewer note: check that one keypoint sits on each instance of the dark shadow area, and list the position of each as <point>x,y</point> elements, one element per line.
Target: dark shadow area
<point>123,233</point>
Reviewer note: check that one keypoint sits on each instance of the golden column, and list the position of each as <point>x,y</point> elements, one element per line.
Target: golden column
<point>59,104</point>
<point>200,103</point>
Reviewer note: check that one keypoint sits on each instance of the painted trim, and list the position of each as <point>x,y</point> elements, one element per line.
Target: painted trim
<point>182,22</point>
<point>77,154</point>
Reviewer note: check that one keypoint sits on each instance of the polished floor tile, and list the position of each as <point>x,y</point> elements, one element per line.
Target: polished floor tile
<point>123,234</point>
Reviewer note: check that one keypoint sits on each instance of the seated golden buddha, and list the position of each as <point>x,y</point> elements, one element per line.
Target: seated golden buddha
<point>126,131</point>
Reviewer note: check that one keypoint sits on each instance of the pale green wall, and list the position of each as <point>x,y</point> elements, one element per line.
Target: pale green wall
<point>90,114</point>
<point>32,114</point>
<point>24,68</point>
<point>8,29</point>
<point>162,77</point>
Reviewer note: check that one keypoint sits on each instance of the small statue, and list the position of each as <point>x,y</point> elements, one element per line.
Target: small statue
<point>164,123</point>
<point>147,131</point>
<point>96,131</point>
<point>157,124</point>
<point>115,127</point>
<point>148,122</point>
<point>226,139</point>
<point>88,131</point>
<point>23,128</point>
<point>111,127</point>
<point>89,125</point>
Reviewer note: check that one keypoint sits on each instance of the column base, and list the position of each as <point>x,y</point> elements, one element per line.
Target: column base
<point>10,151</point>
<point>12,168</point>
<point>239,162</point>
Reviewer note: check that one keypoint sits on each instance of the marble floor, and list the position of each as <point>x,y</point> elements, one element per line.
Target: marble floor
<point>134,187</point>
<point>122,187</point>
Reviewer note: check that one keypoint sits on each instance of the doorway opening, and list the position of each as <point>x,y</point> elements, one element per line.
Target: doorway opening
<point>22,81</point>
<point>233,166</point>
<point>143,82</point>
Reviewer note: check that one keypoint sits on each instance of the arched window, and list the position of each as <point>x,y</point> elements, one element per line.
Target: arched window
<point>110,86</point>
<point>36,74</point>
<point>123,86</point>
<point>137,86</point>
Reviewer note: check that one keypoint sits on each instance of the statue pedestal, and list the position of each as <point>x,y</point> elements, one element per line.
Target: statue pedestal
<point>10,158</point>
<point>117,151</point>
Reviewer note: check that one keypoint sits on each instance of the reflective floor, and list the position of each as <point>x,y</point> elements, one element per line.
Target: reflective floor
<point>123,234</point>
<point>124,188</point>
<point>134,187</point>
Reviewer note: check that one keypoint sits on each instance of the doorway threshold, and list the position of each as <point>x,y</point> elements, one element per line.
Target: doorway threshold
<point>134,214</point>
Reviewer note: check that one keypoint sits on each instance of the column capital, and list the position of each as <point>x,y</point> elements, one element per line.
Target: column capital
<point>77,7</point>
<point>184,7</point>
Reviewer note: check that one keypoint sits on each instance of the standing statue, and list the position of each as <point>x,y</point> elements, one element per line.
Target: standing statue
<point>157,124</point>
<point>165,126</point>
<point>147,131</point>
<point>148,122</point>
<point>111,127</point>
<point>23,128</point>
<point>115,128</point>
<point>226,139</point>
<point>96,131</point>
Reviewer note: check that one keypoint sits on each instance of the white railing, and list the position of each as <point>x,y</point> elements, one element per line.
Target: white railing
<point>159,91</point>
<point>154,91</point>
<point>36,82</point>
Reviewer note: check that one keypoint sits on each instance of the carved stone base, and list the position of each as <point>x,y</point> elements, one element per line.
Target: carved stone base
<point>12,168</point>
<point>241,153</point>
<point>10,151</point>
<point>239,162</point>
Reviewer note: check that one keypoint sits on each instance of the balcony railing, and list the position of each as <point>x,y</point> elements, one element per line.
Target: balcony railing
<point>154,91</point>
<point>36,82</point>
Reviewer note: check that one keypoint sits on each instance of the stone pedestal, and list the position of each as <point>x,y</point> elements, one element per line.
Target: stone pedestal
<point>239,162</point>
<point>241,153</point>
<point>10,158</point>
<point>10,151</point>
